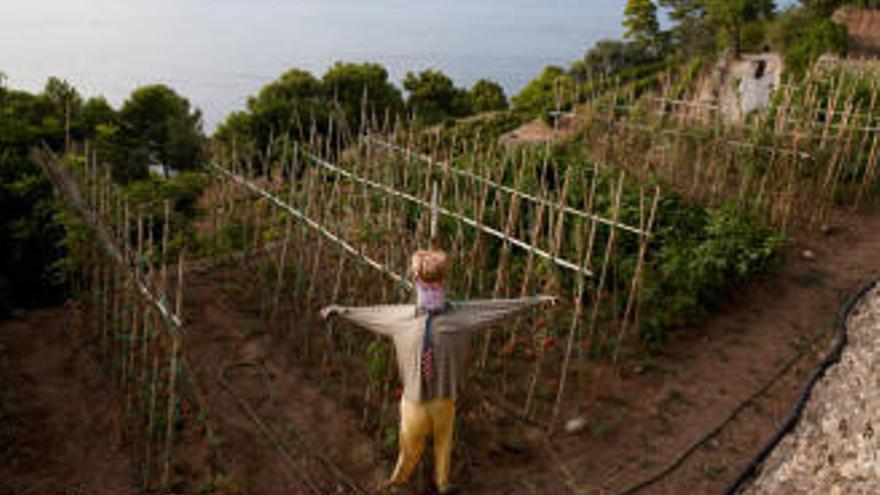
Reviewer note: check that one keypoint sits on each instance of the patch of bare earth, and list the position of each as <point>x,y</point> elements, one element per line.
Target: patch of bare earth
<point>225,334</point>
<point>59,421</point>
<point>538,131</point>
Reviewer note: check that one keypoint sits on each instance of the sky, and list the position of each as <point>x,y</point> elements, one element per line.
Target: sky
<point>218,52</point>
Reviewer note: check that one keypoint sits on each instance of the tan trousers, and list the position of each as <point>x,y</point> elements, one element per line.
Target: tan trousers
<point>418,420</point>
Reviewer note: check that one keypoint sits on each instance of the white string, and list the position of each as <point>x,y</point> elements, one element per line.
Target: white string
<point>466,220</point>
<point>509,190</point>
<point>316,226</point>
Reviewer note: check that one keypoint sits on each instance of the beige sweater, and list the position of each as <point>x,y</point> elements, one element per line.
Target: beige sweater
<point>452,331</point>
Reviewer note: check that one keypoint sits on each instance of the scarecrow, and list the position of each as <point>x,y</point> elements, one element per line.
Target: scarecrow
<point>433,341</point>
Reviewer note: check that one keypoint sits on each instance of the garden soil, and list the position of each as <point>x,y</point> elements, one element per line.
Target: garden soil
<point>59,428</point>
<point>225,338</point>
<point>634,421</point>
<point>643,419</point>
<point>637,419</point>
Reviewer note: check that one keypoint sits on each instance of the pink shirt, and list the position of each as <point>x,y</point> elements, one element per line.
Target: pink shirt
<point>431,297</point>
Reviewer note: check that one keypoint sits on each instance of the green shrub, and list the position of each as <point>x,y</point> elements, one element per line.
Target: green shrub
<point>433,97</point>
<point>700,254</point>
<point>804,38</point>
<point>487,96</point>
<point>551,90</point>
<point>607,58</point>
<point>182,191</point>
<point>754,36</point>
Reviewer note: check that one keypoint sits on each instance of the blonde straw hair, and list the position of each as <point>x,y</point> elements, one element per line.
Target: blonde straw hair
<point>429,266</point>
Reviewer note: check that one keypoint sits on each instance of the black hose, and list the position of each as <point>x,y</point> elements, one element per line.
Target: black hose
<point>831,359</point>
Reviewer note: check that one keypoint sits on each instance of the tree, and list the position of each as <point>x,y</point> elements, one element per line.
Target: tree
<point>300,106</point>
<point>292,104</point>
<point>550,91</point>
<point>434,97</point>
<point>63,96</point>
<point>731,15</point>
<point>96,112</point>
<point>30,236</point>
<point>158,125</point>
<point>608,57</point>
<point>348,84</point>
<point>66,102</point>
<point>690,32</point>
<point>236,133</point>
<point>803,37</point>
<point>487,96</point>
<point>822,8</point>
<point>640,19</point>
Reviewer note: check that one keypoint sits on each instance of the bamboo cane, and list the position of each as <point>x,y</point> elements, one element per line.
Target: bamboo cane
<point>636,279</point>
<point>609,248</point>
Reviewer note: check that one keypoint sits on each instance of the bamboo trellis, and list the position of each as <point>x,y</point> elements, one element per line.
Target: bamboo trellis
<point>489,182</point>
<point>140,337</point>
<point>795,161</point>
<point>504,236</point>
<point>328,231</point>
<point>329,216</point>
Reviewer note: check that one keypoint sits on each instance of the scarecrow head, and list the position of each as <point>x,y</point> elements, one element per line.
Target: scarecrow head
<point>429,266</point>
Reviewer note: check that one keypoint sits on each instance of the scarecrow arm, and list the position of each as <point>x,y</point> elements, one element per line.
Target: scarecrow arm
<point>382,320</point>
<point>478,315</point>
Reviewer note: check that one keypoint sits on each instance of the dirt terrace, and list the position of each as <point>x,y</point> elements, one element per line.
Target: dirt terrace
<point>59,425</point>
<point>768,338</point>
<point>64,429</point>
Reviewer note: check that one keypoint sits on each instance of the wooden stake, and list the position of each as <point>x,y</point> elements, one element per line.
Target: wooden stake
<point>635,283</point>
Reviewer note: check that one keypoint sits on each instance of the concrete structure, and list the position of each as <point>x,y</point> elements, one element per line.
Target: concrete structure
<point>747,85</point>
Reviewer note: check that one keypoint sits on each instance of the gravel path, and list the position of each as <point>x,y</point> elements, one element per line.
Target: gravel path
<point>835,449</point>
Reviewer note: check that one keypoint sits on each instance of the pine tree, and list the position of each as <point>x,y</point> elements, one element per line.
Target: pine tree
<point>731,15</point>
<point>640,19</point>
<point>690,31</point>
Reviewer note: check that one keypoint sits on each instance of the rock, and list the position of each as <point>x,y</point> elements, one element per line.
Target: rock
<point>575,425</point>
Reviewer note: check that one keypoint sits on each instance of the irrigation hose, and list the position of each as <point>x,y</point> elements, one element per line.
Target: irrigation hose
<point>831,359</point>
<point>271,434</point>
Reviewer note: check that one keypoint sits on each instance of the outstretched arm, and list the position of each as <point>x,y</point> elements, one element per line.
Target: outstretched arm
<point>477,315</point>
<point>383,320</point>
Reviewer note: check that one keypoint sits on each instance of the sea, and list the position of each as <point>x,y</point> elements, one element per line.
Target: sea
<point>219,52</point>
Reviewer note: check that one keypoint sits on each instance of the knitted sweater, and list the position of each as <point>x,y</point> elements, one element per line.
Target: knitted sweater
<point>452,329</point>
